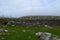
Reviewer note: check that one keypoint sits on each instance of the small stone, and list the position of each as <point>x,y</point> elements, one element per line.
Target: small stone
<point>45,25</point>
<point>38,33</point>
<point>24,30</point>
<point>58,39</point>
<point>55,37</point>
<point>13,25</point>
<point>6,30</point>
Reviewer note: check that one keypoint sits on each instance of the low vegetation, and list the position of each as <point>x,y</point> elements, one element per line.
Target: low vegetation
<point>25,32</point>
<point>15,32</point>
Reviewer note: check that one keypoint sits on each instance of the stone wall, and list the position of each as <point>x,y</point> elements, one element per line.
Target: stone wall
<point>39,22</point>
<point>33,22</point>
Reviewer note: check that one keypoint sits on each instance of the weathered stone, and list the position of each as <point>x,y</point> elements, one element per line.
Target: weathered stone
<point>3,30</point>
<point>55,37</point>
<point>24,30</point>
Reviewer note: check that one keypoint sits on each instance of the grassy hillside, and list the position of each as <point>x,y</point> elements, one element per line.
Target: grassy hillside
<point>26,32</point>
<point>18,33</point>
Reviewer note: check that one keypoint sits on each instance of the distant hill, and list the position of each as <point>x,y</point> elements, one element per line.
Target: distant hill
<point>40,17</point>
<point>33,18</point>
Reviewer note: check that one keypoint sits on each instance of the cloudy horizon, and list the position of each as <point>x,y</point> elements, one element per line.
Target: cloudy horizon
<point>18,8</point>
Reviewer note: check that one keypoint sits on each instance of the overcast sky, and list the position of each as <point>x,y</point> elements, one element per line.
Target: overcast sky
<point>18,8</point>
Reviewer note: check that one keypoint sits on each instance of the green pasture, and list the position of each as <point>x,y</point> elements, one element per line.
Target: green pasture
<point>16,32</point>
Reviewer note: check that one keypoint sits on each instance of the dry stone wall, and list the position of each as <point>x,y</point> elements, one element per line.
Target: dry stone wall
<point>32,22</point>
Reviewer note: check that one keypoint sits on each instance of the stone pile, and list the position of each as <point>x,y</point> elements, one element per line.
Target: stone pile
<point>46,36</point>
<point>3,30</point>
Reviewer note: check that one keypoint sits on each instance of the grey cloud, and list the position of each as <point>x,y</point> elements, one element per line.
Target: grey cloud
<point>29,7</point>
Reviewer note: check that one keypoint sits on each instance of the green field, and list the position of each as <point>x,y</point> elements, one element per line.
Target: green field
<point>16,32</point>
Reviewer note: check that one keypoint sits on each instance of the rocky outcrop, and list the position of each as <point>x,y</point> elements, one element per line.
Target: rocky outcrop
<point>37,21</point>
